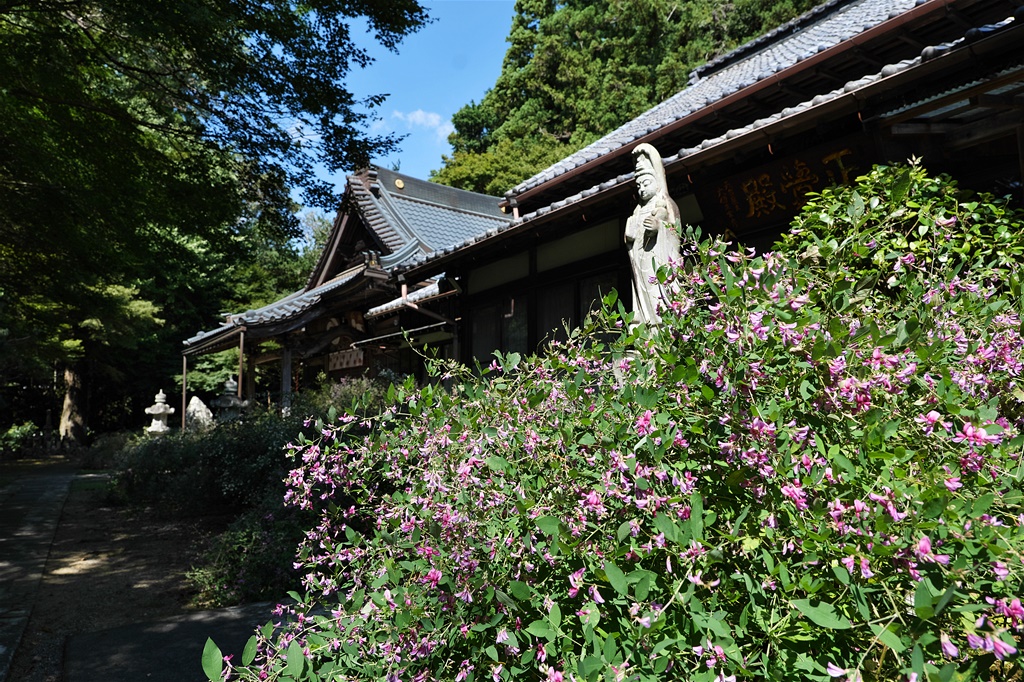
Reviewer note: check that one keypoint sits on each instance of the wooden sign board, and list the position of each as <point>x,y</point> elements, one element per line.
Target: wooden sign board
<point>773,193</point>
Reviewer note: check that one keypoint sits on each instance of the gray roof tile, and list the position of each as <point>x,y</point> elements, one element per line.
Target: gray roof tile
<point>414,218</point>
<point>286,308</point>
<point>802,38</point>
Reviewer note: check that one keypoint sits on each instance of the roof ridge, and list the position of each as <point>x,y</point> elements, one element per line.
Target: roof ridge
<point>755,45</point>
<point>427,202</point>
<point>374,215</point>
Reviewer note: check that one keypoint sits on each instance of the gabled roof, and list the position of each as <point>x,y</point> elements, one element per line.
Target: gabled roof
<point>824,32</point>
<point>410,218</point>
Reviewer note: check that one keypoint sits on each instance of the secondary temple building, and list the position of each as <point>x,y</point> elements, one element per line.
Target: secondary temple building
<point>813,103</point>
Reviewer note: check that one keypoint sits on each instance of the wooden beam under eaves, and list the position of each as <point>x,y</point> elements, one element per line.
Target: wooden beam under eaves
<point>985,130</point>
<point>1003,102</point>
<point>924,128</point>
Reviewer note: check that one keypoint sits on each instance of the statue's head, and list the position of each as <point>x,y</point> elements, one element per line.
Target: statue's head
<point>649,173</point>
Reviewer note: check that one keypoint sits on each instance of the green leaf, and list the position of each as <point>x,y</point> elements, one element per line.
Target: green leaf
<point>520,590</point>
<point>589,665</point>
<point>539,628</point>
<point>296,660</point>
<point>549,525</point>
<point>944,600</point>
<point>888,638</point>
<point>623,531</point>
<point>616,577</point>
<point>923,601</point>
<point>823,614</point>
<point>667,526</point>
<point>249,652</point>
<point>643,587</point>
<point>555,617</point>
<point>213,661</point>
<point>697,516</point>
<point>901,186</point>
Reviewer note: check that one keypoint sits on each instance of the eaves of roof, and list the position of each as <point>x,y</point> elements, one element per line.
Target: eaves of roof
<point>809,40</point>
<point>290,308</point>
<point>936,59</point>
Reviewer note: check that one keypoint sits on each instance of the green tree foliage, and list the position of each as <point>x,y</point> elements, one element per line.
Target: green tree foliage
<point>577,70</point>
<point>148,154</point>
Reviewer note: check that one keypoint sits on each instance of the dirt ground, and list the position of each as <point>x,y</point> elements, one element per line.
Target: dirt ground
<point>109,566</point>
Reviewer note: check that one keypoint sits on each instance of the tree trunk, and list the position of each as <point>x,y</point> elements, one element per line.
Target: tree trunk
<point>72,423</point>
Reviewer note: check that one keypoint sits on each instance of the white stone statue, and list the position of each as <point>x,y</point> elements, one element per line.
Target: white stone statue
<point>160,411</point>
<point>652,234</point>
<point>197,415</point>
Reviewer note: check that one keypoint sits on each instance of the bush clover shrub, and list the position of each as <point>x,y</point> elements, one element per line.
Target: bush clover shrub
<point>809,471</point>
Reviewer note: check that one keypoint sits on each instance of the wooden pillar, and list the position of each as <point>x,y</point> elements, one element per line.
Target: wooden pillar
<point>241,359</point>
<point>184,388</point>
<point>250,376</point>
<point>286,379</point>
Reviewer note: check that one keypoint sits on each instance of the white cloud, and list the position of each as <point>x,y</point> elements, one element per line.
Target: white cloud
<point>427,120</point>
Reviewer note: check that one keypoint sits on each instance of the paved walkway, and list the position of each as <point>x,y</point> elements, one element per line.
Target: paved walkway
<point>31,500</point>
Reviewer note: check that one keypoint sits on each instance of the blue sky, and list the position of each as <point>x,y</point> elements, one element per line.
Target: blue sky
<point>436,71</point>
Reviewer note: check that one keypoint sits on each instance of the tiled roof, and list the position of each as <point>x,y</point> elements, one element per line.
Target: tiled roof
<point>814,32</point>
<point>709,144</point>
<point>414,217</point>
<point>289,307</point>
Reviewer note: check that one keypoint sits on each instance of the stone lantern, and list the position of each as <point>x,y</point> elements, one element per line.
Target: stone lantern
<point>229,405</point>
<point>160,411</point>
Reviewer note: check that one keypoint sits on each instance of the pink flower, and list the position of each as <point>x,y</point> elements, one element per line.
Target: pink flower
<point>574,582</point>
<point>464,671</point>
<point>643,424</point>
<point>924,552</point>
<point>929,421</point>
<point>1000,648</point>
<point>953,483</point>
<point>948,648</point>
<point>1001,570</point>
<point>975,435</point>
<point>796,493</point>
<point>834,670</point>
<point>432,578</point>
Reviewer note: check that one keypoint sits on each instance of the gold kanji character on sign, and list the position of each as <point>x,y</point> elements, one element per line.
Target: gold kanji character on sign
<point>761,196</point>
<point>798,181</point>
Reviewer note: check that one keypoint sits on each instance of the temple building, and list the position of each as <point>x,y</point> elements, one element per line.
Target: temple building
<point>813,103</point>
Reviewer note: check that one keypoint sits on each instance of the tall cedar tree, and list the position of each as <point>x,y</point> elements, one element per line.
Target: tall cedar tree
<point>578,69</point>
<point>147,157</point>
